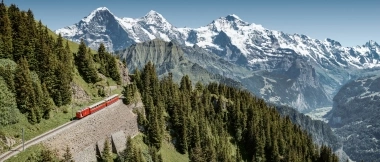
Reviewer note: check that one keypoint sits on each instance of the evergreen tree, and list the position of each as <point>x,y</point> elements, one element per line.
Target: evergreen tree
<point>69,58</point>
<point>106,153</point>
<point>38,99</point>
<point>127,93</point>
<point>30,43</point>
<point>67,156</point>
<point>24,90</point>
<point>19,29</point>
<point>8,76</point>
<point>6,48</point>
<point>85,64</point>
<point>8,107</point>
<point>46,155</point>
<point>129,154</point>
<point>102,57</point>
<point>47,103</point>
<point>154,154</point>
<point>113,69</point>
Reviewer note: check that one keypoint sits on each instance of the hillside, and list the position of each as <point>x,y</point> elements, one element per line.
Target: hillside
<point>168,57</point>
<point>295,84</point>
<point>41,83</point>
<point>215,122</point>
<point>355,117</point>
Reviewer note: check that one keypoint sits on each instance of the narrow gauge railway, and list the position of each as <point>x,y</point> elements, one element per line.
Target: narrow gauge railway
<point>79,115</point>
<point>97,106</point>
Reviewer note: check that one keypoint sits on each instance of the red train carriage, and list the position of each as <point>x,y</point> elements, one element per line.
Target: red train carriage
<point>97,106</point>
<point>112,99</point>
<point>82,113</point>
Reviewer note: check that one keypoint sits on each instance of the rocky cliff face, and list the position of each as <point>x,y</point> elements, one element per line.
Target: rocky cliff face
<point>168,57</point>
<point>293,83</point>
<point>355,116</point>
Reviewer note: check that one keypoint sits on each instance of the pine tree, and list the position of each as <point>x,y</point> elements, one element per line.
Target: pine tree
<point>67,156</point>
<point>8,76</point>
<point>154,130</point>
<point>102,57</point>
<point>196,154</point>
<point>46,155</point>
<point>106,153</point>
<point>47,103</point>
<point>154,154</point>
<point>38,99</point>
<point>6,48</point>
<point>85,64</point>
<point>113,69</point>
<point>127,93</point>
<point>70,59</point>
<point>30,43</point>
<point>24,90</point>
<point>19,29</point>
<point>129,154</point>
<point>8,107</point>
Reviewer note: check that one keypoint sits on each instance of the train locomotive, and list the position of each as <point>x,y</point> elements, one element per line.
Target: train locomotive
<point>97,106</point>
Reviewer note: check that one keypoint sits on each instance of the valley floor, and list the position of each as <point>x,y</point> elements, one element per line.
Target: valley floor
<point>317,114</point>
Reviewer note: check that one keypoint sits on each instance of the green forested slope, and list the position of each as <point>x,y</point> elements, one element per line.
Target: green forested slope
<point>37,72</point>
<point>215,122</point>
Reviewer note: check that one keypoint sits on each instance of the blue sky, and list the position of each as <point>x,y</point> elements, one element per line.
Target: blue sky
<point>347,21</point>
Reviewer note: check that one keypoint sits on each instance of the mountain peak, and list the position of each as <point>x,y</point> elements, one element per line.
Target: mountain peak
<point>232,17</point>
<point>371,43</point>
<point>153,15</point>
<point>93,13</point>
<point>102,9</point>
<point>155,18</point>
<point>153,12</point>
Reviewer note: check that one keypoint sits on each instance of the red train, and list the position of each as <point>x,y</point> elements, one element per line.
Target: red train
<point>97,106</point>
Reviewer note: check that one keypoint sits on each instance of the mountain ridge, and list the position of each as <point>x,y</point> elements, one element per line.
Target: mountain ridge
<point>247,45</point>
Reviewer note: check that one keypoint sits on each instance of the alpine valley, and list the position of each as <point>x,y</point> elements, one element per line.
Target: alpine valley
<point>293,70</point>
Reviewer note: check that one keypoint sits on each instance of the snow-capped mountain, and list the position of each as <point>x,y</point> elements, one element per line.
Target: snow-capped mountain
<point>245,44</point>
<point>227,36</point>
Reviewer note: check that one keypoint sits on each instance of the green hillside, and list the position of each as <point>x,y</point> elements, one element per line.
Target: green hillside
<point>38,70</point>
<point>213,122</point>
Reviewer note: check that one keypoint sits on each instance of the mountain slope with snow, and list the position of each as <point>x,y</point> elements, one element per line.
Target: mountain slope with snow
<point>247,45</point>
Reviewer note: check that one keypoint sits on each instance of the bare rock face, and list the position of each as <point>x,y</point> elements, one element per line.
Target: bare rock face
<point>79,94</point>
<point>124,73</point>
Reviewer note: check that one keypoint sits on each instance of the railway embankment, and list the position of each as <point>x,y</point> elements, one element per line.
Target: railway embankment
<point>82,136</point>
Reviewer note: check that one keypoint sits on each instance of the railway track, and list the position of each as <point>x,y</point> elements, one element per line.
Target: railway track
<point>34,141</point>
<point>15,150</point>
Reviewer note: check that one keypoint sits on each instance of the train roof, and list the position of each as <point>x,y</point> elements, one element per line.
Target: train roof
<point>95,104</point>
<point>98,103</point>
<point>110,97</point>
<point>82,109</point>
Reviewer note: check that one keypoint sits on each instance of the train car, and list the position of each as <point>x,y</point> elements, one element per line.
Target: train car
<point>112,99</point>
<point>83,113</point>
<point>97,106</point>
